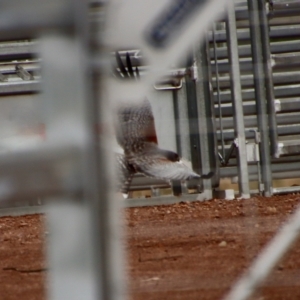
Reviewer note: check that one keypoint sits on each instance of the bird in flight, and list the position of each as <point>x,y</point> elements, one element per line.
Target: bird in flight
<point>136,134</point>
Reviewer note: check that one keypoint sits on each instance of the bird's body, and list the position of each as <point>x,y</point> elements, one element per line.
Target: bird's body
<point>135,132</point>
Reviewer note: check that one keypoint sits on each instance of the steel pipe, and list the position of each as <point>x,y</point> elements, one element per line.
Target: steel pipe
<point>245,50</point>
<point>217,84</point>
<point>279,91</point>
<point>266,53</point>
<point>231,171</point>
<point>244,34</point>
<point>282,131</point>
<point>236,94</point>
<point>286,78</point>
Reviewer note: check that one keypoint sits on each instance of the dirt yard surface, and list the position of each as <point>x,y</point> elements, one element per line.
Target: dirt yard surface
<point>184,251</point>
<point>22,264</point>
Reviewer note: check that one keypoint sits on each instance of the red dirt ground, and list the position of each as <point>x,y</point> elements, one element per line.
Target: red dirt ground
<point>184,251</point>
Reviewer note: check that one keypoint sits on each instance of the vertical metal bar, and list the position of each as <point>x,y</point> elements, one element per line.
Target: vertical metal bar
<point>69,252</point>
<point>176,117</point>
<point>69,258</point>
<point>260,96</point>
<point>203,94</point>
<point>96,185</point>
<point>183,123</point>
<point>104,204</point>
<point>236,93</point>
<point>268,78</point>
<point>211,118</point>
<point>218,89</point>
<point>181,115</point>
<point>87,263</point>
<point>193,123</point>
<point>176,185</point>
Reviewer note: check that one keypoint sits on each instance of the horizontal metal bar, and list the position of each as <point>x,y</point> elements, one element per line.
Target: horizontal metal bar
<point>282,131</point>
<point>288,104</point>
<point>245,50</point>
<point>293,158</point>
<point>244,35</point>
<point>251,121</point>
<point>168,86</point>
<point>166,200</point>
<point>247,81</point>
<point>289,147</point>
<point>32,65</point>
<point>285,9</point>
<point>249,108</point>
<point>139,202</point>
<point>284,5</point>
<point>275,168</point>
<point>279,91</point>
<point>279,11</point>
<point>141,182</point>
<point>288,61</point>
<point>279,78</point>
<point>243,14</point>
<point>285,190</point>
<point>20,87</point>
<point>40,171</point>
<point>277,176</point>
<point>288,21</point>
<point>22,210</point>
<point>283,105</point>
<point>17,49</point>
<point>284,59</point>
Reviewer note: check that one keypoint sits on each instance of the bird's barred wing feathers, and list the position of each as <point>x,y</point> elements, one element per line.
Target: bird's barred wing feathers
<point>125,173</point>
<point>135,126</point>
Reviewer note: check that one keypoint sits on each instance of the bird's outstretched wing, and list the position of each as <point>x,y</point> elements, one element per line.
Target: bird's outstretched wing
<point>135,126</point>
<point>162,168</point>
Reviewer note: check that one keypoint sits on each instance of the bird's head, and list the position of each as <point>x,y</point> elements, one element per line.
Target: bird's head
<point>172,156</point>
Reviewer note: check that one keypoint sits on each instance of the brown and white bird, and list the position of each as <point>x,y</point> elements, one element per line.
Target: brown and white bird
<point>135,132</point>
